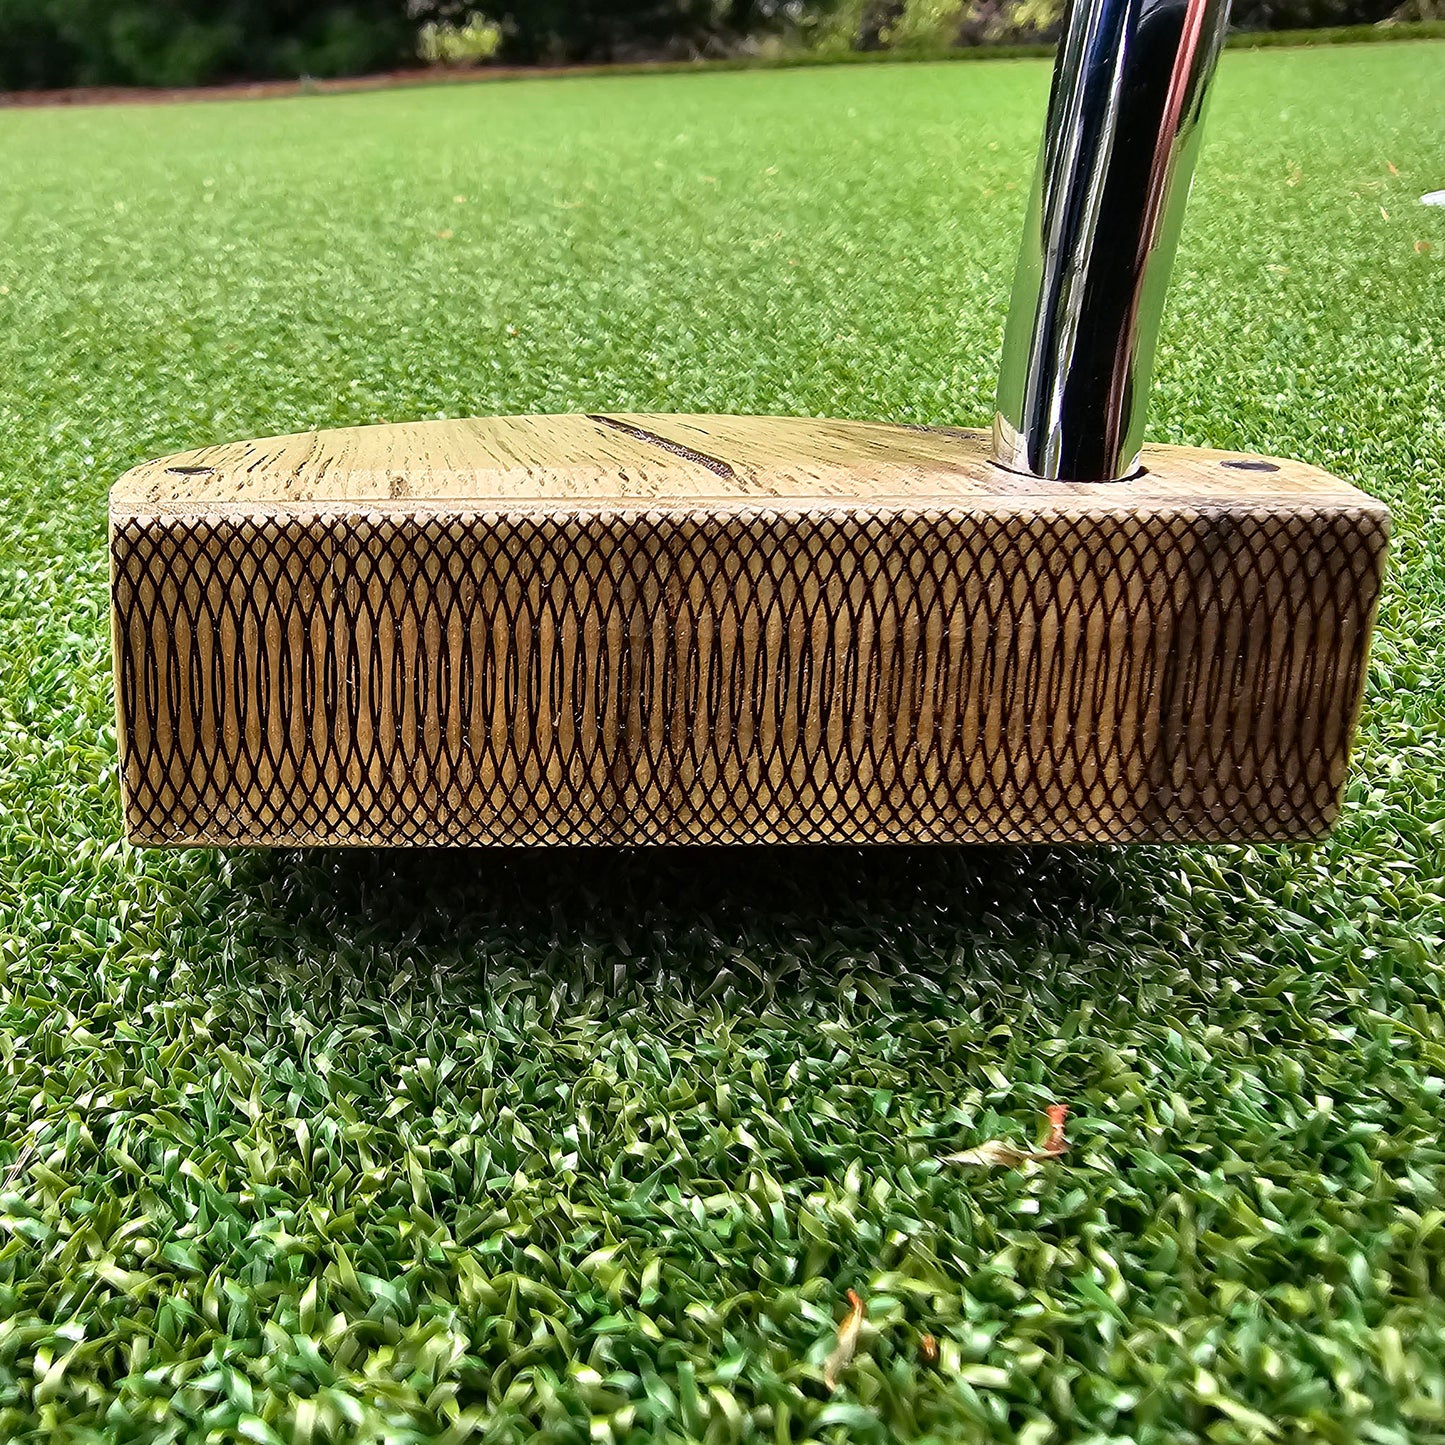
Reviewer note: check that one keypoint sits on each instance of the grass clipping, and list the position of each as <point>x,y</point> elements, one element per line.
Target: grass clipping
<point>848,1331</point>
<point>1000,1154</point>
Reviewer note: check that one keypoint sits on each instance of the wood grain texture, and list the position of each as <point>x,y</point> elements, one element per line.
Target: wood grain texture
<point>642,628</point>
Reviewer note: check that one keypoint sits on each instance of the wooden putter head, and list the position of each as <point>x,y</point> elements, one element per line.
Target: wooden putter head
<point>651,628</point>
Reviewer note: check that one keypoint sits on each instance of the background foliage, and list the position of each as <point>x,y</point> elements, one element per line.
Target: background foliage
<point>367,1147</point>
<point>56,43</point>
<point>186,42</point>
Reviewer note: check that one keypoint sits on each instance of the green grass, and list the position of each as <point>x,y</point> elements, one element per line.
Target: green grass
<point>361,1146</point>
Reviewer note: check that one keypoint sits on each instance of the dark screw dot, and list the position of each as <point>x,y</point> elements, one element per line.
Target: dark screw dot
<point>1251,466</point>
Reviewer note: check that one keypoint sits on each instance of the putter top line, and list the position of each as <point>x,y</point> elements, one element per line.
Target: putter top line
<point>669,461</point>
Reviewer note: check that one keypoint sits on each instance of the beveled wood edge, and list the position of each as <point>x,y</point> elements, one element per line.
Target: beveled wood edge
<point>1165,466</point>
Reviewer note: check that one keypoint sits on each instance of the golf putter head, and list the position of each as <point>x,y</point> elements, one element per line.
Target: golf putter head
<point>702,629</point>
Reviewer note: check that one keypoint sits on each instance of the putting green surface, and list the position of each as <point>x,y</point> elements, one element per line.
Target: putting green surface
<point>349,1146</point>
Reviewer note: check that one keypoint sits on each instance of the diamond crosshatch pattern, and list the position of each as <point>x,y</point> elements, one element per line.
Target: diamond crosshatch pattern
<point>733,673</point>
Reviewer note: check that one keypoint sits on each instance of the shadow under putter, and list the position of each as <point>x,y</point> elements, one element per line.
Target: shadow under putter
<point>751,927</point>
<point>649,628</point>
<point>639,903</point>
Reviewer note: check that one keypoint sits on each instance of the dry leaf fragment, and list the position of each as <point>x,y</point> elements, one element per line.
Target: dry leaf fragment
<point>1393,168</point>
<point>1054,1142</point>
<point>444,235</point>
<point>992,1153</point>
<point>1422,248</point>
<point>999,1153</point>
<point>847,1345</point>
<point>928,1349</point>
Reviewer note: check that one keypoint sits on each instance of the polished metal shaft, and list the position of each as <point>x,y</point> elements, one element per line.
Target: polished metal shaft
<point>1103,222</point>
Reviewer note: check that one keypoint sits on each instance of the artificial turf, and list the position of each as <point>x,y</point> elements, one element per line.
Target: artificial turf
<point>369,1146</point>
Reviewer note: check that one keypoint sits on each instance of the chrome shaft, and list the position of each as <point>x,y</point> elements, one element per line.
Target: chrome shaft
<point>1103,223</point>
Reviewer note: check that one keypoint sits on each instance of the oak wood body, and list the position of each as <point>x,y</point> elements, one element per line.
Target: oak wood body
<point>729,629</point>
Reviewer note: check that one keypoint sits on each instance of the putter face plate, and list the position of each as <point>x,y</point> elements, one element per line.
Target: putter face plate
<point>636,629</point>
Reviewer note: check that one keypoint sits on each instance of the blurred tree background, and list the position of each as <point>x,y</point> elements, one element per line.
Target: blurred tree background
<point>58,43</point>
